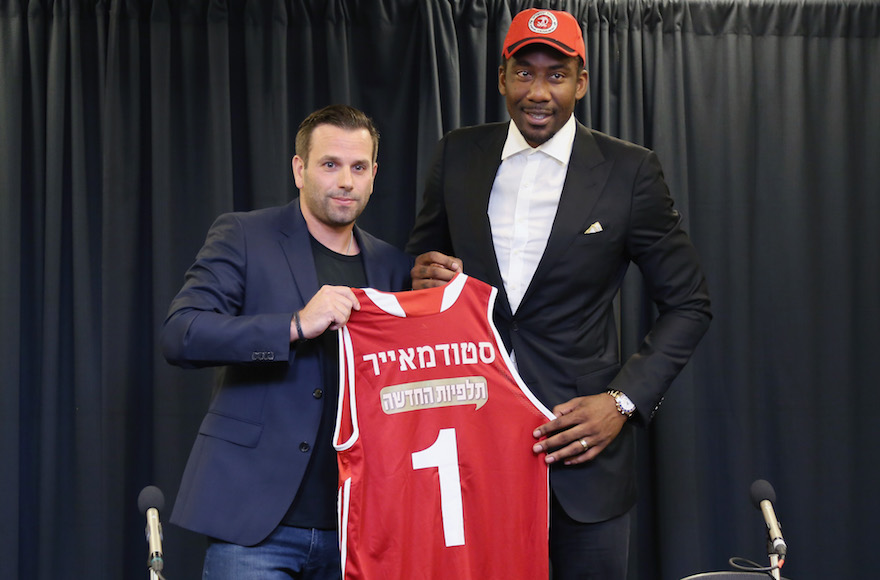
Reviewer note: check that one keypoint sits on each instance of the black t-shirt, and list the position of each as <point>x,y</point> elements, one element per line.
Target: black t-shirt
<point>315,502</point>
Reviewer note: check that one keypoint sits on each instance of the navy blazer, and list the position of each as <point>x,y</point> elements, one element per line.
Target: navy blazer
<point>564,332</point>
<point>234,310</point>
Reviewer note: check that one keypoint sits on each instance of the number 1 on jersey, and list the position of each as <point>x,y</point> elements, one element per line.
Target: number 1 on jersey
<point>443,454</point>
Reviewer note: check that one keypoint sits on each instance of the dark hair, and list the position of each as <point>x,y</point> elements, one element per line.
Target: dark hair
<point>341,116</point>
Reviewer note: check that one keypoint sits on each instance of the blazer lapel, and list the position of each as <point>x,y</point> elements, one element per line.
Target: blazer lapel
<point>588,171</point>
<point>374,270</point>
<point>295,238</point>
<point>480,177</point>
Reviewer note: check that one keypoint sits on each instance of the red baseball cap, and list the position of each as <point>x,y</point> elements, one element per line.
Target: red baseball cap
<point>553,28</point>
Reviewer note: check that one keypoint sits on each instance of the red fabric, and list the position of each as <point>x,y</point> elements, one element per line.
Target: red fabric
<point>554,28</point>
<point>391,524</point>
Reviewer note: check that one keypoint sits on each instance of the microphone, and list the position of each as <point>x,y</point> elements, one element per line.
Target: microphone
<point>150,502</point>
<point>763,496</point>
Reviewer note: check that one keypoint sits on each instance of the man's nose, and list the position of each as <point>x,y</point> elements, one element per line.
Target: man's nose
<point>345,179</point>
<point>539,90</point>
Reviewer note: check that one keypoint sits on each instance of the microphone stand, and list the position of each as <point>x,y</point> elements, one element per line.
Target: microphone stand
<point>774,563</point>
<point>774,558</point>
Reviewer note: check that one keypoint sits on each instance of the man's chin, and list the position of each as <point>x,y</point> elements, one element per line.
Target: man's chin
<point>536,138</point>
<point>346,218</point>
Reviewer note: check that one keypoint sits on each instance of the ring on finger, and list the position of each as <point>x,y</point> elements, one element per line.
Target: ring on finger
<point>583,442</point>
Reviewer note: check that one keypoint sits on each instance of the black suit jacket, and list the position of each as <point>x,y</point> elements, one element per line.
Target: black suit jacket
<point>254,271</point>
<point>564,334</point>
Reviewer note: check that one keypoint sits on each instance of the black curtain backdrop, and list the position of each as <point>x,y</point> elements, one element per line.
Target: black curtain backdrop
<point>127,126</point>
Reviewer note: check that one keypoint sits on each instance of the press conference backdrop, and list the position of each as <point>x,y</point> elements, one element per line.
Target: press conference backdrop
<point>127,126</point>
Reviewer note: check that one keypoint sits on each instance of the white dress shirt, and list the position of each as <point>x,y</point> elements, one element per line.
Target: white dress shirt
<point>523,204</point>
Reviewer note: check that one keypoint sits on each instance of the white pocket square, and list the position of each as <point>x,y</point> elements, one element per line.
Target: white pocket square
<point>594,229</point>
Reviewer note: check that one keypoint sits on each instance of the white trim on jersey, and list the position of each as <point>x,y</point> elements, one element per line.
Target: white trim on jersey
<point>453,291</point>
<point>387,301</point>
<point>346,386</point>
<point>342,503</point>
<point>490,311</point>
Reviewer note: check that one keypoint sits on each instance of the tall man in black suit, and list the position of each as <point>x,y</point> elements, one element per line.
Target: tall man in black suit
<point>552,213</point>
<point>260,300</point>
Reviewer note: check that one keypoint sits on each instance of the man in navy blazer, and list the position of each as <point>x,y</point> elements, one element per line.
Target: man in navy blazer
<point>261,300</point>
<point>552,214</point>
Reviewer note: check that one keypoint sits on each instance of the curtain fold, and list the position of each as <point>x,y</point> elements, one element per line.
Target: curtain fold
<point>127,126</point>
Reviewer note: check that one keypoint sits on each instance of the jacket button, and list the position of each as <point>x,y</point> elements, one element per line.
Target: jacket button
<point>304,447</point>
<point>317,393</point>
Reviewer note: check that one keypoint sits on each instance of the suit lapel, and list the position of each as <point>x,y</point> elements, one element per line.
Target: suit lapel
<point>295,234</point>
<point>480,177</point>
<point>588,171</point>
<point>374,270</point>
<point>295,238</point>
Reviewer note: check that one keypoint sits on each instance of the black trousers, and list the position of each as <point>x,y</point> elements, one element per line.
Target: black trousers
<point>578,551</point>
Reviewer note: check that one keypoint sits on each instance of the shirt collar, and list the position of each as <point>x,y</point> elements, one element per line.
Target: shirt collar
<point>558,147</point>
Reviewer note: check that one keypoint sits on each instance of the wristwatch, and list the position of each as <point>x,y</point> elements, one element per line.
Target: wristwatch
<point>624,403</point>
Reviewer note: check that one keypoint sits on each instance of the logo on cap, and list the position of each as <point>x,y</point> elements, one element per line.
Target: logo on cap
<point>543,22</point>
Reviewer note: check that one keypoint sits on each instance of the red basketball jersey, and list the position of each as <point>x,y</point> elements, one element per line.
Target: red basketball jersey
<point>434,438</point>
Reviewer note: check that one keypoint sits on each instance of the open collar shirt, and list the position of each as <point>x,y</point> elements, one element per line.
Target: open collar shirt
<point>523,204</point>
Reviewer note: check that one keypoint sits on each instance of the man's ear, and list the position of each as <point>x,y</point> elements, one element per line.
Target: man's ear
<point>297,165</point>
<point>582,84</point>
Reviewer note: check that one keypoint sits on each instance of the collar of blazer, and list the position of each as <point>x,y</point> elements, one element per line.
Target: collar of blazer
<point>588,172</point>
<point>295,237</point>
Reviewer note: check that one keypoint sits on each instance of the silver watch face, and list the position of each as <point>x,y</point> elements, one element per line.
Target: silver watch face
<point>626,405</point>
